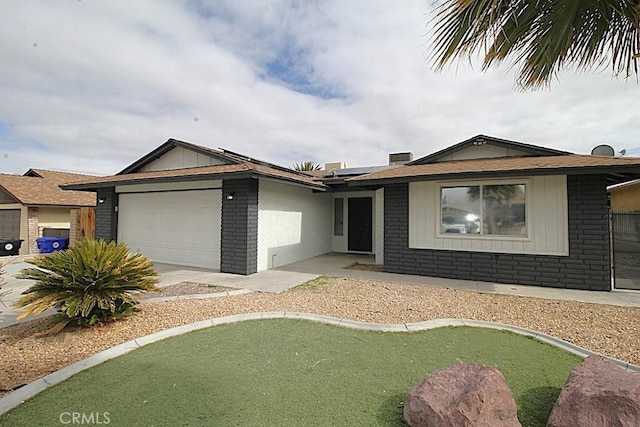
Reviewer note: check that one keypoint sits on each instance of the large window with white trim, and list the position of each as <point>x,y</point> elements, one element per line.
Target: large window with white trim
<point>484,210</point>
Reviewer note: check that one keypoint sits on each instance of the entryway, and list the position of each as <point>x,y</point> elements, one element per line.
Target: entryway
<point>360,224</point>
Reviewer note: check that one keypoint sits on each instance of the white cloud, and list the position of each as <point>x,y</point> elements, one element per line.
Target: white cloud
<point>92,86</point>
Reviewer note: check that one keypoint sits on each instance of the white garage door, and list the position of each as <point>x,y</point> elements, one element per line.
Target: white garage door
<point>179,227</point>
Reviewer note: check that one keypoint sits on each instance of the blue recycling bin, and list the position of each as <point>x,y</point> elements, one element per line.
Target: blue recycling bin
<point>47,245</point>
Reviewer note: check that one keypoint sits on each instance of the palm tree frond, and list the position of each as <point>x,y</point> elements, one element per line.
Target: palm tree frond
<point>306,166</point>
<point>542,36</point>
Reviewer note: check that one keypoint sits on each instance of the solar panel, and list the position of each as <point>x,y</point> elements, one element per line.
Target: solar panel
<point>355,171</point>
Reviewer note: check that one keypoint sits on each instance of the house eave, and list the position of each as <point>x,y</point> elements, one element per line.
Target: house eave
<point>614,175</point>
<point>58,206</point>
<point>187,178</point>
<point>107,184</point>
<point>320,189</point>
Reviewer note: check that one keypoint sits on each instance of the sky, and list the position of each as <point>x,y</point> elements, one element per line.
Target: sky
<point>90,86</point>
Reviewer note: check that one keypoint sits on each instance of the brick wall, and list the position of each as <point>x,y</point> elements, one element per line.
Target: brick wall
<point>106,217</point>
<point>33,231</point>
<point>74,233</point>
<point>239,238</point>
<point>586,267</point>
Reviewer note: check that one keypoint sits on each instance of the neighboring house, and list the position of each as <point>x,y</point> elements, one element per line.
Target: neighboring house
<point>625,209</point>
<point>33,205</point>
<point>625,197</point>
<point>485,209</point>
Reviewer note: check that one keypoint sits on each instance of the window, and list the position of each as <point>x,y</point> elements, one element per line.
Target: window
<point>491,210</point>
<point>338,217</point>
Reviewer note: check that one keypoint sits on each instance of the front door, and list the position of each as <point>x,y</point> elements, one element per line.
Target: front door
<point>360,224</point>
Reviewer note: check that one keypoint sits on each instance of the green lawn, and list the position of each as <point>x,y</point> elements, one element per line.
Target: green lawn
<point>292,373</point>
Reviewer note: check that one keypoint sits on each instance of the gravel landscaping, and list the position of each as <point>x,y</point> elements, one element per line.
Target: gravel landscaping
<point>610,330</point>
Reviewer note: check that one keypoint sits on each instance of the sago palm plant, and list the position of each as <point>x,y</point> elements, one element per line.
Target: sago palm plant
<point>92,282</point>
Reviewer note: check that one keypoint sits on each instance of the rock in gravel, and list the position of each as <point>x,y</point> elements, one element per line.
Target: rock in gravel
<point>463,395</point>
<point>598,393</point>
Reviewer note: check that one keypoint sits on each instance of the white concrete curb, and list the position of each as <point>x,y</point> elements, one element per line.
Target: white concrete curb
<point>17,397</point>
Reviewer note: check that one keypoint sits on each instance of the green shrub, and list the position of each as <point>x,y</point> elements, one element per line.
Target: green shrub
<point>91,282</point>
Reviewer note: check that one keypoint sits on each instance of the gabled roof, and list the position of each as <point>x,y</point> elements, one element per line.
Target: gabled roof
<point>170,145</point>
<point>617,169</point>
<point>235,166</point>
<point>40,187</point>
<point>530,150</point>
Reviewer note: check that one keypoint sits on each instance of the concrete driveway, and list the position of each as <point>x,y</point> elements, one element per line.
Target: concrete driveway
<point>15,287</point>
<point>273,281</point>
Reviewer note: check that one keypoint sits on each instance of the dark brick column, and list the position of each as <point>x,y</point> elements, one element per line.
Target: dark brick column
<point>396,229</point>
<point>106,215</point>
<point>589,263</point>
<point>239,240</point>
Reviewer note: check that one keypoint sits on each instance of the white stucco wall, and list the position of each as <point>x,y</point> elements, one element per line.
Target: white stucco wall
<point>293,224</point>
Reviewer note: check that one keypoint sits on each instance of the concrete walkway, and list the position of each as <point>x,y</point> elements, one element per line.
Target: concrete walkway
<point>265,281</point>
<point>288,276</point>
<point>338,265</point>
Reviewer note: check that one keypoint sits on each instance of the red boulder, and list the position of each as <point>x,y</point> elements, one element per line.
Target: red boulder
<point>598,394</point>
<point>463,395</point>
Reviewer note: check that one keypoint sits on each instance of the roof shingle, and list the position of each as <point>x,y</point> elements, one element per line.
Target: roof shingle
<point>234,165</point>
<point>194,173</point>
<point>572,163</point>
<point>42,188</point>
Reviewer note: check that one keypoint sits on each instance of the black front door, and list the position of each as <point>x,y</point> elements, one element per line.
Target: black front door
<point>360,224</point>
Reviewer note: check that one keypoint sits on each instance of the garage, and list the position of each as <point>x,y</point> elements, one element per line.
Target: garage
<point>174,227</point>
<point>10,223</point>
